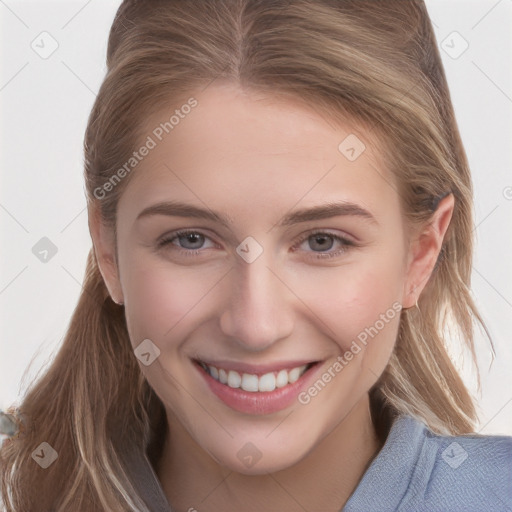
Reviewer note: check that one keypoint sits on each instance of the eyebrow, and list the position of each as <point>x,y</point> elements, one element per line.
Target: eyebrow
<point>323,211</point>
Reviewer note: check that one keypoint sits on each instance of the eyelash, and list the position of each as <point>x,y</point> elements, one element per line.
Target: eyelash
<point>345,242</point>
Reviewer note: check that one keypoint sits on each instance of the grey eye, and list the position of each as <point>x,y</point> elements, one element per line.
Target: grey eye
<point>321,241</point>
<point>195,239</point>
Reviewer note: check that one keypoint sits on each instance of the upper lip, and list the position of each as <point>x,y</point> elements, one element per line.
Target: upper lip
<point>256,369</point>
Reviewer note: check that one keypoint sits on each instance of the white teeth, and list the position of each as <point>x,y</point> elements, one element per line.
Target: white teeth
<point>249,382</point>
<point>267,382</point>
<point>294,375</point>
<point>223,376</point>
<point>214,372</point>
<point>252,383</point>
<point>282,379</point>
<point>234,379</point>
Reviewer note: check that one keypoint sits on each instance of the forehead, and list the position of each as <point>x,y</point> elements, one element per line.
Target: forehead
<point>246,149</point>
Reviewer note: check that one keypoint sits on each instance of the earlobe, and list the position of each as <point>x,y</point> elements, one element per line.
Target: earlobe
<point>425,250</point>
<point>104,249</point>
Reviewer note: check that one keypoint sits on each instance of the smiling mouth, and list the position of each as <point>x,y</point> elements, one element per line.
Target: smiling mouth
<point>253,383</point>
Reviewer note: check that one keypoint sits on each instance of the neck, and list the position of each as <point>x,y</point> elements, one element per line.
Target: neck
<point>323,480</point>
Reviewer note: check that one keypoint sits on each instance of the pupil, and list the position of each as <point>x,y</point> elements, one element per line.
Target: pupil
<point>319,241</point>
<point>192,238</point>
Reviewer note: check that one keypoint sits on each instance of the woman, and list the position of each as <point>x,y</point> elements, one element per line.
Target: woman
<point>281,214</point>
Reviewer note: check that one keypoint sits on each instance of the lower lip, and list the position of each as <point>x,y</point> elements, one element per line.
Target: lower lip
<point>259,402</point>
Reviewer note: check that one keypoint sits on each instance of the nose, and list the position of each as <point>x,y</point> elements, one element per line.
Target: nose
<point>259,310</point>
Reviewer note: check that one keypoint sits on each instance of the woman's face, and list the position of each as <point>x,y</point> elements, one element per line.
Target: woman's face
<point>295,259</point>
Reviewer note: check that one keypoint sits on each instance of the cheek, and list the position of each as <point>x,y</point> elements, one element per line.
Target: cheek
<point>160,298</point>
<point>359,306</point>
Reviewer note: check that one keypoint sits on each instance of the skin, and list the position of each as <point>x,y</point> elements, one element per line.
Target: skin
<point>255,158</point>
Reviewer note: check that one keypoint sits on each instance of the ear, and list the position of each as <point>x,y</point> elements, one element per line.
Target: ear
<point>424,251</point>
<point>103,239</point>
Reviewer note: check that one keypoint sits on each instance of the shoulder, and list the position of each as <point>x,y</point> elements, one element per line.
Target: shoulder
<point>467,472</point>
<point>420,471</point>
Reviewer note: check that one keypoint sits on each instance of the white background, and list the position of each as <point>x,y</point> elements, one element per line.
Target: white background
<point>45,104</point>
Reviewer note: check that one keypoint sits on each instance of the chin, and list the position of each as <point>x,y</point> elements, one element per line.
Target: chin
<point>251,460</point>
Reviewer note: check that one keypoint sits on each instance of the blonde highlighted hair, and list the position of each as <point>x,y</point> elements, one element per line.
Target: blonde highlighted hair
<point>374,62</point>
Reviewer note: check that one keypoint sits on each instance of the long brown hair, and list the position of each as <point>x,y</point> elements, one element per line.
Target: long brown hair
<point>375,62</point>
